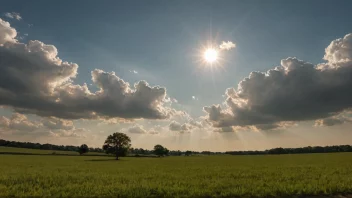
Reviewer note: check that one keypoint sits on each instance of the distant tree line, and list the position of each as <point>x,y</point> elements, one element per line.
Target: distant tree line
<point>114,145</point>
<point>81,149</point>
<point>308,149</point>
<point>165,152</point>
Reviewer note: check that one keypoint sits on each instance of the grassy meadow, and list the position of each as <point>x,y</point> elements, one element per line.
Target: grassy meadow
<point>194,176</point>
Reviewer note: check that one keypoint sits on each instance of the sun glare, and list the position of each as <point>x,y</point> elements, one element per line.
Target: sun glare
<point>210,55</point>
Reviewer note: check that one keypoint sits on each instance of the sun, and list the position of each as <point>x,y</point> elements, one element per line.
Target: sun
<point>210,55</point>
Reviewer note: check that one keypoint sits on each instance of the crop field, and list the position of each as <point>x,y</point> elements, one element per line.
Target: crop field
<point>194,176</point>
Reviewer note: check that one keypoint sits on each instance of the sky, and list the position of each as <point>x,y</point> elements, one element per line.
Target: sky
<point>73,72</point>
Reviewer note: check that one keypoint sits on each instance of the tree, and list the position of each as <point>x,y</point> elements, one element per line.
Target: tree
<point>160,150</point>
<point>188,153</point>
<point>83,149</point>
<point>117,144</point>
<point>179,153</point>
<point>166,152</point>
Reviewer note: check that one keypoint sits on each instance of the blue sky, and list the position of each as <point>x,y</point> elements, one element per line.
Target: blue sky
<point>161,40</point>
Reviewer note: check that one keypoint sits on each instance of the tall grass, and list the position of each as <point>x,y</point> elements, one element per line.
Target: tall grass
<point>195,176</point>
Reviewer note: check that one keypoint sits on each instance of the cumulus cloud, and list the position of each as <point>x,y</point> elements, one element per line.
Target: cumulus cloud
<point>329,121</point>
<point>4,122</point>
<point>33,79</point>
<point>112,121</point>
<point>133,71</point>
<point>137,129</point>
<point>153,131</point>
<point>195,123</point>
<point>7,33</point>
<point>224,129</point>
<point>13,15</point>
<point>176,126</point>
<point>56,123</point>
<point>75,133</point>
<point>227,45</point>
<point>20,124</point>
<point>174,100</point>
<point>294,91</point>
<point>339,52</point>
<point>157,129</point>
<point>334,120</point>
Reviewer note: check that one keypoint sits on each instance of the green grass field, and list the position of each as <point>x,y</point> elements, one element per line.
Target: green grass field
<point>195,176</point>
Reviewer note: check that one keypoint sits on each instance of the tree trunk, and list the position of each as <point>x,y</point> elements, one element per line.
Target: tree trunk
<point>117,154</point>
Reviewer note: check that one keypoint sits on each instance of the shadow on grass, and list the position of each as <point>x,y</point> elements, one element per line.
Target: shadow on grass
<point>121,159</point>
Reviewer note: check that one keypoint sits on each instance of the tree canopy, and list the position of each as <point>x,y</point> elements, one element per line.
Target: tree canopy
<point>83,149</point>
<point>160,150</point>
<point>117,144</point>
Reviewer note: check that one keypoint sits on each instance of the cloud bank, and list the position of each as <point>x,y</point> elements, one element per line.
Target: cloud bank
<point>294,91</point>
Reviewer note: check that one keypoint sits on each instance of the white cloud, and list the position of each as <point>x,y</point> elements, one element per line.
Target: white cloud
<point>342,118</point>
<point>56,123</point>
<point>33,79</point>
<point>195,123</point>
<point>294,91</point>
<point>4,122</point>
<point>7,33</point>
<point>138,129</point>
<point>224,129</point>
<point>174,100</point>
<point>20,124</point>
<point>176,126</point>
<point>339,52</point>
<point>153,132</point>
<point>74,133</point>
<point>157,129</point>
<point>227,45</point>
<point>13,15</point>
